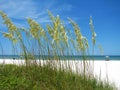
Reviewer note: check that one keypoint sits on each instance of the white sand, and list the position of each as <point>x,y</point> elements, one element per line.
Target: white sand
<point>104,69</point>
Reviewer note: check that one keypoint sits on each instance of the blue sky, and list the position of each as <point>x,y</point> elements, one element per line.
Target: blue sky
<point>105,13</point>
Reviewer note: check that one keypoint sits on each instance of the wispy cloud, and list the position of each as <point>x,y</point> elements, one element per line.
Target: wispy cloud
<point>19,10</point>
<point>65,7</point>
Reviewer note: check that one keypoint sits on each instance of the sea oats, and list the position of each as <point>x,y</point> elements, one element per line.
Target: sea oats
<point>51,16</point>
<point>8,35</point>
<point>35,29</point>
<point>79,37</point>
<point>8,23</point>
<point>93,32</point>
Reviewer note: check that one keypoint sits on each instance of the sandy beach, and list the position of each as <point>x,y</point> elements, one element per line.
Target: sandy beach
<point>106,70</point>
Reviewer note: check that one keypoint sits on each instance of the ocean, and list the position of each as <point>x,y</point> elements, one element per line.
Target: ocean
<point>45,57</point>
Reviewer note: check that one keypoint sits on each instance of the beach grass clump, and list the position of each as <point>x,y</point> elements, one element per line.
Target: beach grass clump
<point>48,43</point>
<point>14,77</point>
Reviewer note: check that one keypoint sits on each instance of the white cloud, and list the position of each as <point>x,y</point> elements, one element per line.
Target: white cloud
<point>22,9</point>
<point>65,7</point>
<point>19,8</point>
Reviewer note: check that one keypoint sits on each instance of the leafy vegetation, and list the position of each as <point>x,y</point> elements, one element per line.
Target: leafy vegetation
<point>45,78</point>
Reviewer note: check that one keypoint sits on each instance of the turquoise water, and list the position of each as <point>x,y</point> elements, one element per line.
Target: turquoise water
<point>110,57</point>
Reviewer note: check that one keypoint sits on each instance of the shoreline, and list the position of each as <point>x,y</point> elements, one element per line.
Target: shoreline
<point>103,70</point>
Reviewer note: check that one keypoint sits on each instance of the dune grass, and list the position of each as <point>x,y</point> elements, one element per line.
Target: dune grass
<point>55,40</point>
<point>14,77</point>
